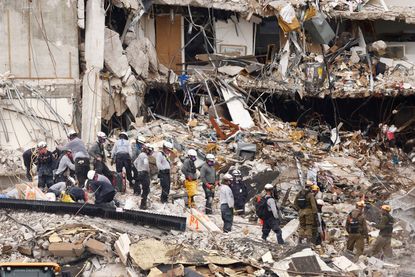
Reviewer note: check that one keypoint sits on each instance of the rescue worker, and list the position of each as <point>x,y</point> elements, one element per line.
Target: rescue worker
<point>137,147</point>
<point>65,167</point>
<point>103,191</point>
<point>321,234</point>
<point>80,155</point>
<point>44,166</point>
<point>209,181</point>
<point>240,192</point>
<point>383,241</point>
<point>356,227</point>
<point>163,166</point>
<point>97,153</point>
<point>122,153</point>
<point>189,171</point>
<point>94,176</point>
<point>142,182</point>
<point>226,203</point>
<point>306,205</point>
<point>29,159</point>
<point>271,220</point>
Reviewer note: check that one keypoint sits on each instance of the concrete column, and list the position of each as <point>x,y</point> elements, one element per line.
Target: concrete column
<point>94,56</point>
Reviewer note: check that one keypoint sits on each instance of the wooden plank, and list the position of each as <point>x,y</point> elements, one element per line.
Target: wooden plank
<point>169,41</point>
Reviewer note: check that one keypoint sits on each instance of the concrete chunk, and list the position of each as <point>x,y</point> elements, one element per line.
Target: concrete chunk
<point>64,249</point>
<point>114,59</point>
<point>122,247</point>
<point>96,247</point>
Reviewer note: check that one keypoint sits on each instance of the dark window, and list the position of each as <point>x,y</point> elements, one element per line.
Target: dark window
<point>267,33</point>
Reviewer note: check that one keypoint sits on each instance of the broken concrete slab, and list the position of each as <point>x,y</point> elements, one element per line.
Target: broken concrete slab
<point>114,59</point>
<point>96,247</point>
<point>267,258</point>
<point>25,250</point>
<point>65,249</point>
<point>345,265</point>
<point>290,228</point>
<point>236,107</point>
<point>137,58</point>
<point>150,252</point>
<point>122,247</point>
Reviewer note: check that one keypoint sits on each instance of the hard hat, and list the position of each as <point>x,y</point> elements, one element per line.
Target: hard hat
<point>320,202</point>
<point>192,152</point>
<point>227,176</point>
<point>101,135</point>
<point>315,188</point>
<point>236,173</point>
<point>123,133</point>
<point>91,174</point>
<point>360,204</point>
<point>149,147</point>
<point>72,132</point>
<point>141,139</point>
<point>210,157</point>
<point>386,208</point>
<point>268,187</point>
<point>42,144</point>
<point>168,145</point>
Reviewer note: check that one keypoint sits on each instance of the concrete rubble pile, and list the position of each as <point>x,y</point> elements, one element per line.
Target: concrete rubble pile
<point>10,162</point>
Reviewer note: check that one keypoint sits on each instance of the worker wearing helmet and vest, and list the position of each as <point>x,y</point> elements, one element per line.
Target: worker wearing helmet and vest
<point>122,153</point>
<point>97,153</point>
<point>80,155</point>
<point>163,166</point>
<point>306,205</point>
<point>209,181</point>
<point>44,165</point>
<point>142,182</point>
<point>226,202</point>
<point>356,227</point>
<point>189,171</point>
<point>240,192</point>
<point>383,241</point>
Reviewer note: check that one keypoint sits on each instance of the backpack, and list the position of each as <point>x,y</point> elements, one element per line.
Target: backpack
<point>261,208</point>
<point>354,226</point>
<point>302,200</point>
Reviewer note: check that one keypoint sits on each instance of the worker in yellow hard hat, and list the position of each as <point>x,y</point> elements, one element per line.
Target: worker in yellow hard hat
<point>383,241</point>
<point>356,227</point>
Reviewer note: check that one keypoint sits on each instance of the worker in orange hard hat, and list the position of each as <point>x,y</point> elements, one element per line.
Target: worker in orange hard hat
<point>383,241</point>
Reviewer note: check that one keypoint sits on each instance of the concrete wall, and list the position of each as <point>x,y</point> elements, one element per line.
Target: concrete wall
<point>227,34</point>
<point>409,49</point>
<point>39,38</point>
<point>400,3</point>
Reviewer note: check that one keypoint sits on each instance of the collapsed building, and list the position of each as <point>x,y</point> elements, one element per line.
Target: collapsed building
<point>227,69</point>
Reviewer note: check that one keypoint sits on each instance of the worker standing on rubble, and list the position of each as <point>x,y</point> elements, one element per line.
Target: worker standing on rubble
<point>271,219</point>
<point>122,153</point>
<point>29,159</point>
<point>97,153</point>
<point>209,181</point>
<point>226,203</point>
<point>142,165</point>
<point>163,166</point>
<point>81,156</point>
<point>356,227</point>
<point>66,166</point>
<point>384,240</point>
<point>306,205</point>
<point>44,166</point>
<point>189,171</point>
<point>139,144</point>
<point>240,192</point>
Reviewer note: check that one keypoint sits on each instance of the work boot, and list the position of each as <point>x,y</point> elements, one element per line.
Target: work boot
<point>143,204</point>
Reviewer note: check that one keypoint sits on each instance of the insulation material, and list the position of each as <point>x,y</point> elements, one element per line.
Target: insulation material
<point>236,107</point>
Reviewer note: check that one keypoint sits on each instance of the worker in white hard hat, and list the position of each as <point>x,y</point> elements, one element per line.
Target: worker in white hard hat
<point>226,202</point>
<point>163,166</point>
<point>44,166</point>
<point>209,181</point>
<point>66,166</point>
<point>189,171</point>
<point>122,155</point>
<point>97,153</point>
<point>142,181</point>
<point>80,155</point>
<point>137,147</point>
<point>240,192</point>
<point>102,188</point>
<point>271,220</point>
